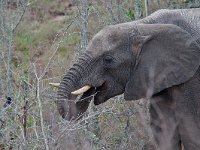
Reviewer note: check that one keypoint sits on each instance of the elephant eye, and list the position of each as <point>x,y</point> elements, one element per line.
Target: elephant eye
<point>108,59</point>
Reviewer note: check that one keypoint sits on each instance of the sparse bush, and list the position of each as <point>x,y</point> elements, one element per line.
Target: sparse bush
<point>44,44</point>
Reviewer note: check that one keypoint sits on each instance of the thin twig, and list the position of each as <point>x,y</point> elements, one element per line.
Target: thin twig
<point>24,119</point>
<point>40,108</point>
<point>56,49</point>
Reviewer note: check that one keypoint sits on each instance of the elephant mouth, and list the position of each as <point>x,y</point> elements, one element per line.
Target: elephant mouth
<point>97,93</point>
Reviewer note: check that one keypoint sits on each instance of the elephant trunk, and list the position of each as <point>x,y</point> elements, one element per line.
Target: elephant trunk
<point>66,104</point>
<point>65,101</point>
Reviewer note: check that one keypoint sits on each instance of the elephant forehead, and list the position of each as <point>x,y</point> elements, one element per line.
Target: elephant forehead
<point>107,39</point>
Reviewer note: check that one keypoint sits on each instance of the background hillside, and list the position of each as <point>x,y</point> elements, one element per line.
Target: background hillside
<point>39,40</point>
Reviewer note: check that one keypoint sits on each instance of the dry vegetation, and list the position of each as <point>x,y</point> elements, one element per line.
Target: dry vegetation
<point>44,45</point>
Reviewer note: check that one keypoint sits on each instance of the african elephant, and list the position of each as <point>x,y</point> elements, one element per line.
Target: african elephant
<point>157,57</point>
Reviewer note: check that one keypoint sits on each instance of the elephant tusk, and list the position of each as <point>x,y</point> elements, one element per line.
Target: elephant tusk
<point>54,84</point>
<point>81,90</point>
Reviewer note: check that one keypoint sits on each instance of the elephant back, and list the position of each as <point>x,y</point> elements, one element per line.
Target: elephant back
<point>187,19</point>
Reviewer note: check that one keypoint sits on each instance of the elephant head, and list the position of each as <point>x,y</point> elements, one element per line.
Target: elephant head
<point>138,60</point>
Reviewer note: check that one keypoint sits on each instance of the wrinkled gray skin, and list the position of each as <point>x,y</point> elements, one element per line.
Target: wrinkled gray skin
<point>157,57</point>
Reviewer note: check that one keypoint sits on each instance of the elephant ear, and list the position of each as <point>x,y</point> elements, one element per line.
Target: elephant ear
<point>170,57</point>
